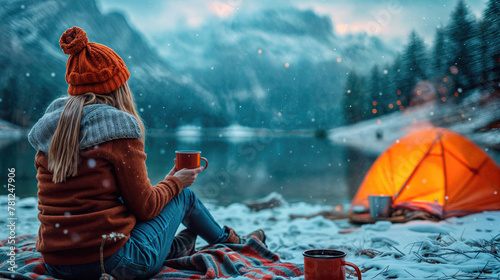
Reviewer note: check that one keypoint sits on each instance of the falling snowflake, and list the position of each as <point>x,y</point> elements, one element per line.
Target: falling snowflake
<point>75,237</point>
<point>105,183</point>
<point>91,163</point>
<point>113,236</point>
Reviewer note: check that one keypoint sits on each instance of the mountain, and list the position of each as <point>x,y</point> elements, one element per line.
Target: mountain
<point>33,65</point>
<point>281,68</point>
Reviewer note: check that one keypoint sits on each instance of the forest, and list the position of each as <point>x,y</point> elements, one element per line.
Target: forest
<point>465,56</point>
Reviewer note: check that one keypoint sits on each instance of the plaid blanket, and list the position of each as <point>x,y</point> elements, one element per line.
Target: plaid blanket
<point>251,260</point>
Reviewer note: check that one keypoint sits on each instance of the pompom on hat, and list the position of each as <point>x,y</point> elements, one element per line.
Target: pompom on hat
<point>91,67</point>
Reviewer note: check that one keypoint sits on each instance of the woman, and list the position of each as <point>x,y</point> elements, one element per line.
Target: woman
<point>92,178</point>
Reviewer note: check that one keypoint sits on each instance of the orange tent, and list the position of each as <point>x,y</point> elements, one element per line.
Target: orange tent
<point>435,170</point>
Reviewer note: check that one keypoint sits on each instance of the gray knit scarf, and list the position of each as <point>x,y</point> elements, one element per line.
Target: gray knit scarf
<point>100,123</point>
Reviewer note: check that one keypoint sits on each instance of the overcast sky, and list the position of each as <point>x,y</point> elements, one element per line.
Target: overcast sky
<point>391,20</point>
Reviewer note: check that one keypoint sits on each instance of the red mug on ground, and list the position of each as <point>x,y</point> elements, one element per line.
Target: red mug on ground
<point>326,264</point>
<point>189,159</point>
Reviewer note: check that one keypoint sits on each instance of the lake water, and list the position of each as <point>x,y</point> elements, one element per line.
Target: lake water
<point>299,168</point>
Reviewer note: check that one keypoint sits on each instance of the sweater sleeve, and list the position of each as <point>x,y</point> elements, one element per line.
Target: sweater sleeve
<point>141,198</point>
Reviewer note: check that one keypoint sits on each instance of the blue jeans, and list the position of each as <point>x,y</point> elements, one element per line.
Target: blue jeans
<point>144,253</point>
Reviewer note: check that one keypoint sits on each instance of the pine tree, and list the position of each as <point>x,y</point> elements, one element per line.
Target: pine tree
<point>492,39</point>
<point>414,64</point>
<point>440,61</point>
<point>354,101</point>
<point>375,100</point>
<point>388,97</point>
<point>396,85</point>
<point>463,47</point>
<point>484,61</point>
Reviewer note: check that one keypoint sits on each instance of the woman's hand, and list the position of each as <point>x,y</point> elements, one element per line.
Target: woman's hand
<point>173,170</point>
<point>187,176</point>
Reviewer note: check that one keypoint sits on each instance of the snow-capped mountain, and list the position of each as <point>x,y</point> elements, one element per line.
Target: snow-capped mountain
<point>284,68</point>
<point>33,65</point>
<point>273,69</point>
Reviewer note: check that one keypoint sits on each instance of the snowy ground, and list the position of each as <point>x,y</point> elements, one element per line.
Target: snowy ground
<point>457,248</point>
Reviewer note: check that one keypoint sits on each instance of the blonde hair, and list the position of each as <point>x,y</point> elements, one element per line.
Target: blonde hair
<point>64,148</point>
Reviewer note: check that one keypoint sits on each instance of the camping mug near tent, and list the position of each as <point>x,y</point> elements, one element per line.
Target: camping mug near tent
<point>380,206</point>
<point>326,264</point>
<point>189,159</point>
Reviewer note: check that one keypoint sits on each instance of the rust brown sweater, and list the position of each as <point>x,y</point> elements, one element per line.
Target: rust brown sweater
<point>75,214</point>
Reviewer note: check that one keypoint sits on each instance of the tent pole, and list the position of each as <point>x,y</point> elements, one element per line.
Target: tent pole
<point>445,177</point>
<point>418,165</point>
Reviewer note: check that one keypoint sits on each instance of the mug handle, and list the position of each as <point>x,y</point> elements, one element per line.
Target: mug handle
<point>355,268</point>
<point>206,162</point>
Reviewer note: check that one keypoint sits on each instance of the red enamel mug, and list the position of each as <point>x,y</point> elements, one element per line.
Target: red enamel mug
<point>326,264</point>
<point>189,159</point>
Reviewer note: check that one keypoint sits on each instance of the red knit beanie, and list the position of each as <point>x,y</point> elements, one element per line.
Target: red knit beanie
<point>91,67</point>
